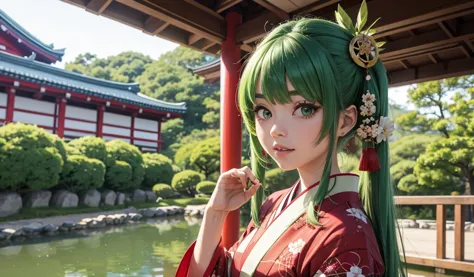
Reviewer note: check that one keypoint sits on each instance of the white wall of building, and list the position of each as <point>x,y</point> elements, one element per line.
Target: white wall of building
<point>29,104</point>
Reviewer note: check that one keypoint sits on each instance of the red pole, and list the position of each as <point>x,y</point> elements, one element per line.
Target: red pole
<point>10,105</point>
<point>61,116</point>
<point>132,129</point>
<point>100,121</point>
<point>231,122</point>
<point>160,141</point>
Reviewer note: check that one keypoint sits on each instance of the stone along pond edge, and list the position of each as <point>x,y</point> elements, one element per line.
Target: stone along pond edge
<point>130,215</point>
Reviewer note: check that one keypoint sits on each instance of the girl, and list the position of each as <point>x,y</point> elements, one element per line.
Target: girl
<point>309,86</point>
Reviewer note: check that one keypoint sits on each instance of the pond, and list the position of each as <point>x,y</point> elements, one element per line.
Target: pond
<point>152,249</point>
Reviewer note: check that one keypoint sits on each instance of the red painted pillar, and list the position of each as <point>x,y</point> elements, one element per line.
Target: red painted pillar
<point>61,116</point>
<point>10,105</point>
<point>159,135</point>
<point>100,121</point>
<point>231,122</point>
<point>132,128</point>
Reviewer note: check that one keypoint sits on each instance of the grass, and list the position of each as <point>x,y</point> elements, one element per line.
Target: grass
<point>28,213</point>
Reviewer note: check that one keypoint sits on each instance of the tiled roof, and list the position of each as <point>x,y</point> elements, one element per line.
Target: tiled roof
<point>44,74</point>
<point>12,24</point>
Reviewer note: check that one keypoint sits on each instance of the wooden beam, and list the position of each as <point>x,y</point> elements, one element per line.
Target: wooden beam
<point>426,41</point>
<point>423,52</point>
<point>193,38</point>
<point>318,5</point>
<point>445,29</point>
<point>428,73</point>
<point>223,5</point>
<point>440,231</point>
<point>437,199</point>
<point>98,6</point>
<point>204,8</point>
<point>185,24</point>
<point>185,12</point>
<point>256,28</point>
<point>433,58</point>
<point>459,239</point>
<point>274,9</point>
<point>465,52</point>
<point>438,263</point>
<point>404,64</point>
<point>154,26</point>
<point>207,44</point>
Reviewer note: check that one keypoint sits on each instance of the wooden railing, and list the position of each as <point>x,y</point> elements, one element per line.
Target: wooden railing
<point>441,261</point>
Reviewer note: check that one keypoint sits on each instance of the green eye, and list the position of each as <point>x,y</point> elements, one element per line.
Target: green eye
<point>307,111</point>
<point>263,113</point>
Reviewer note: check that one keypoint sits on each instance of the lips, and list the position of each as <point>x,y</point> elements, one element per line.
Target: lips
<point>279,147</point>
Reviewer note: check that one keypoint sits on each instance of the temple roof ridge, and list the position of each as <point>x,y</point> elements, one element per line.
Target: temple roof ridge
<point>58,53</point>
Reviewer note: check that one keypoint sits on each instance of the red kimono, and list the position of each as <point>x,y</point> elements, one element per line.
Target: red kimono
<point>285,245</point>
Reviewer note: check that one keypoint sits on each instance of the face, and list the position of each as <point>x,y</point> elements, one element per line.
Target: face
<point>288,131</point>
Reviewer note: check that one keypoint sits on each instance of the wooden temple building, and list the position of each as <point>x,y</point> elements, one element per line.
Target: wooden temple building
<point>72,105</point>
<point>426,40</point>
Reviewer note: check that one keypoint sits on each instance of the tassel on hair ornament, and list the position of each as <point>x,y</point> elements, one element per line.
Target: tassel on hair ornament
<point>364,51</point>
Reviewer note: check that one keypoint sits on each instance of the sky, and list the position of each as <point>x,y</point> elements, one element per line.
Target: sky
<point>70,27</point>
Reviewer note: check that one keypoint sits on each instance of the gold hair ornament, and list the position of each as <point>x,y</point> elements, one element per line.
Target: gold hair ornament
<point>363,48</point>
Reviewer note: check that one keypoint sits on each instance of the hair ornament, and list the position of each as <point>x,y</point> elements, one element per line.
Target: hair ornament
<point>364,51</point>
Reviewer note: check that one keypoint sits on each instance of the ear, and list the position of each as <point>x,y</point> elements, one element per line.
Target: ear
<point>347,120</point>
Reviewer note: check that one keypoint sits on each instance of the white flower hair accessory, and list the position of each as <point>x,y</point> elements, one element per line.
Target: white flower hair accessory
<point>372,131</point>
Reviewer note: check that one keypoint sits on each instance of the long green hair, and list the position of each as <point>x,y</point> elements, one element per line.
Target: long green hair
<point>314,54</point>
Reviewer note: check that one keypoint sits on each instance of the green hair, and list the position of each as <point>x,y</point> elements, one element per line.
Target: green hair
<point>314,54</point>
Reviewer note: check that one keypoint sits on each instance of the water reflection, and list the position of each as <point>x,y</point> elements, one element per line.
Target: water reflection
<point>152,249</point>
<point>149,249</point>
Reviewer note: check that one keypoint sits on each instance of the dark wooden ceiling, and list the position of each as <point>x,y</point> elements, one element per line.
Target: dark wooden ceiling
<point>426,39</point>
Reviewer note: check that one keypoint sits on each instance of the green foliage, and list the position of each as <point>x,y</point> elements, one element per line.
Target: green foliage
<point>206,187</point>
<point>119,150</point>
<point>91,147</point>
<point>212,117</point>
<point>186,181</point>
<point>186,57</point>
<point>163,190</point>
<point>81,173</point>
<point>409,147</point>
<point>348,163</point>
<point>402,169</point>
<point>445,107</point>
<point>30,158</point>
<point>125,67</point>
<point>182,149</point>
<point>206,156</point>
<point>171,131</point>
<point>158,169</point>
<point>119,176</point>
<point>176,169</point>
<point>277,179</point>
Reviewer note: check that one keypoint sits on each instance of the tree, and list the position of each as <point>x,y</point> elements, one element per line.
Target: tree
<point>124,67</point>
<point>444,107</point>
<point>186,57</point>
<point>212,117</point>
<point>206,156</point>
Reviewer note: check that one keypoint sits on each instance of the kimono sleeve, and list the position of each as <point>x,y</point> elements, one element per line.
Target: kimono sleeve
<point>218,264</point>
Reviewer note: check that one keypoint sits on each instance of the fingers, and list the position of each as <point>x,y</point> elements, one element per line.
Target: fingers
<point>251,191</point>
<point>249,174</point>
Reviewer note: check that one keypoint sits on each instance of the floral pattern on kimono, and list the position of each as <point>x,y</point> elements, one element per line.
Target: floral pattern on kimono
<point>344,245</point>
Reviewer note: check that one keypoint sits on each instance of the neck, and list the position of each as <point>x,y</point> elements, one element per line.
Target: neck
<point>312,174</point>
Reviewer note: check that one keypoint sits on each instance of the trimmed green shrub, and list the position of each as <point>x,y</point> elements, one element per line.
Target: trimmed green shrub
<point>163,190</point>
<point>277,179</point>
<point>118,150</point>
<point>81,173</point>
<point>91,147</point>
<point>176,169</point>
<point>186,181</point>
<point>158,169</point>
<point>206,156</point>
<point>30,158</point>
<point>118,176</point>
<point>206,187</point>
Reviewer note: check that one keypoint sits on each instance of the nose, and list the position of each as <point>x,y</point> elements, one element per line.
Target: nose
<point>278,131</point>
